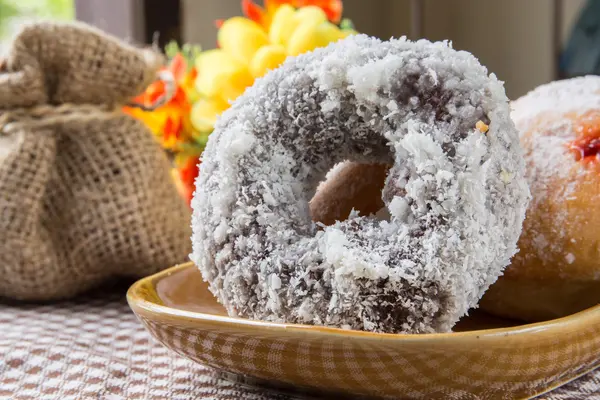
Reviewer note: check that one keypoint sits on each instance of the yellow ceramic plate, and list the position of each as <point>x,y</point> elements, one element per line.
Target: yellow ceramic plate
<point>487,358</point>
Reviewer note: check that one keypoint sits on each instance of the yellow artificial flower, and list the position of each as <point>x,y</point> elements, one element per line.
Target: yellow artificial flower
<point>230,38</point>
<point>205,111</point>
<point>249,49</point>
<point>266,58</point>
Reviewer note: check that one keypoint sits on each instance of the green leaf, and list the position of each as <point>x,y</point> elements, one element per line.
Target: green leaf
<point>190,149</point>
<point>182,157</point>
<point>188,51</point>
<point>171,49</point>
<point>191,51</point>
<point>346,24</point>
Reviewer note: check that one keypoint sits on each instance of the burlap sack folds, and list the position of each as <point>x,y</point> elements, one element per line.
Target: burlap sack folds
<point>85,191</point>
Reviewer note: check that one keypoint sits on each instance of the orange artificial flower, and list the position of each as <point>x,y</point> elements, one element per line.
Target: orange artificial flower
<point>207,81</point>
<point>172,130</point>
<point>332,8</point>
<point>177,67</point>
<point>169,121</point>
<point>185,177</point>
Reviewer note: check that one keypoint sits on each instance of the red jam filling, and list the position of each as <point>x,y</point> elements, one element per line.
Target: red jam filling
<point>584,147</point>
<point>587,145</point>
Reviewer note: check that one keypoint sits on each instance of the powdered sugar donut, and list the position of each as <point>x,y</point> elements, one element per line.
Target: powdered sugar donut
<point>556,272</point>
<point>456,193</point>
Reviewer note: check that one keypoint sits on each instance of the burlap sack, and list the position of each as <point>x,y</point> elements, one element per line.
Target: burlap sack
<point>85,191</point>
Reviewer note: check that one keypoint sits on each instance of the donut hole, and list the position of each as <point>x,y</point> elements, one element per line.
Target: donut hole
<point>350,186</point>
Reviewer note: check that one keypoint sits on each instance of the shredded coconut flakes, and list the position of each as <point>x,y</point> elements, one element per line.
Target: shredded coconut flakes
<point>455,217</point>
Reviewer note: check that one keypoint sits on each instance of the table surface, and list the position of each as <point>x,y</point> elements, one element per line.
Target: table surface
<point>93,347</point>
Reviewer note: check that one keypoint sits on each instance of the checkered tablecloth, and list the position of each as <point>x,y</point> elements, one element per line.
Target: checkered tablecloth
<point>94,348</point>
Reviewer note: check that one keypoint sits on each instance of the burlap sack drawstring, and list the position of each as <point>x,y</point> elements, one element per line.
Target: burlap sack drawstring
<point>85,190</point>
<point>45,116</point>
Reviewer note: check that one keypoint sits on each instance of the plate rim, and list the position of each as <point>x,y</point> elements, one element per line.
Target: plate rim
<point>140,304</point>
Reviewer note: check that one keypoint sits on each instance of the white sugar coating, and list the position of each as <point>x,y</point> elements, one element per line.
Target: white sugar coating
<point>562,96</point>
<point>570,258</point>
<point>548,158</point>
<point>455,216</point>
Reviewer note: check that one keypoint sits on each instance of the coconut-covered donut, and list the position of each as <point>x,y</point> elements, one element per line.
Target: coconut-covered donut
<point>455,192</point>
